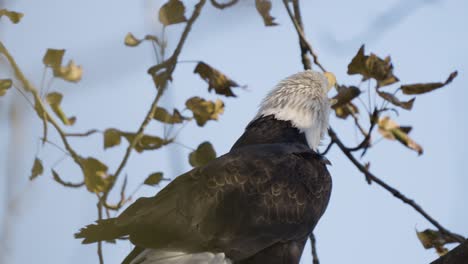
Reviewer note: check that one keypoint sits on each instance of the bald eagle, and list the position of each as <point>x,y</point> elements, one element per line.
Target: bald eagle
<point>256,204</point>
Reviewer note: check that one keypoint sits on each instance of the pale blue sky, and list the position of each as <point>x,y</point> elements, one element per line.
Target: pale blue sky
<point>363,224</point>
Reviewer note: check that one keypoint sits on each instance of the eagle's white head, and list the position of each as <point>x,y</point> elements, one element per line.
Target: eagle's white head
<point>302,99</point>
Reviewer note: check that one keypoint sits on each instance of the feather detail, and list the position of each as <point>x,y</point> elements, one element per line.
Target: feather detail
<point>301,99</point>
<point>160,256</point>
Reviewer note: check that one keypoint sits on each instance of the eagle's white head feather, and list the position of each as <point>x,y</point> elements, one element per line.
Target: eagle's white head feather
<point>301,99</point>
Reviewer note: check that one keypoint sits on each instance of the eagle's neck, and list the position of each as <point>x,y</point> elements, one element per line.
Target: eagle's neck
<point>268,130</point>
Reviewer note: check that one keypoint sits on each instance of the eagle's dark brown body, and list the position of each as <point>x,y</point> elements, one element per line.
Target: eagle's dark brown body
<point>257,204</point>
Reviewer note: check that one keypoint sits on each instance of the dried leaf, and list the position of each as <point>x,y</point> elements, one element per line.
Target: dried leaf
<point>420,88</point>
<point>154,179</point>
<point>215,79</point>
<point>111,138</point>
<point>95,174</point>
<point>163,116</point>
<point>345,95</point>
<point>71,72</point>
<point>391,130</point>
<point>146,142</point>
<point>53,59</point>
<point>204,110</point>
<point>54,99</point>
<point>160,77</point>
<point>408,105</point>
<point>5,84</point>
<point>264,8</point>
<point>345,110</point>
<point>172,12</point>
<point>434,239</point>
<point>373,67</point>
<point>37,169</point>
<point>202,155</point>
<point>131,41</point>
<point>14,17</point>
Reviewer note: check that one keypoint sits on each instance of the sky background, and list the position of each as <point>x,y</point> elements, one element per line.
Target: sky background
<point>426,39</point>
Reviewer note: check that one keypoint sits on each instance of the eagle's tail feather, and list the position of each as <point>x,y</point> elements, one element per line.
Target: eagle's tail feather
<point>103,230</point>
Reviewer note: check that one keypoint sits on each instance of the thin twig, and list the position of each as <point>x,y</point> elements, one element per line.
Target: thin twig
<point>302,36</point>
<point>313,246</point>
<point>361,167</point>
<point>302,44</point>
<point>390,189</point>
<point>99,245</point>
<point>170,65</point>
<point>84,134</point>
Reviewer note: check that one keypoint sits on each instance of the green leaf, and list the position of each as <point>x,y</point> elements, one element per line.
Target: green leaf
<point>264,8</point>
<point>54,99</point>
<point>5,84</point>
<point>111,138</point>
<point>95,174</point>
<point>53,59</point>
<point>391,130</point>
<point>37,169</point>
<point>420,88</point>
<point>163,116</point>
<point>204,110</point>
<point>373,67</point>
<point>434,239</point>
<point>202,155</point>
<point>345,95</point>
<point>215,79</point>
<point>14,17</point>
<point>154,179</point>
<point>172,12</point>
<point>408,105</point>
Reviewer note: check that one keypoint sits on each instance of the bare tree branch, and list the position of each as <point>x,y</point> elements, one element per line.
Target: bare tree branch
<point>349,155</point>
<point>169,65</point>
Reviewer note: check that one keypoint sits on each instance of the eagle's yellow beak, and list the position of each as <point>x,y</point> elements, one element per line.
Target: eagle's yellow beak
<point>331,80</point>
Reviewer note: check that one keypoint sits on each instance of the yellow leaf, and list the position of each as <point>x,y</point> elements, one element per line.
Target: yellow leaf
<point>5,84</point>
<point>71,72</point>
<point>163,116</point>
<point>14,17</point>
<point>53,59</point>
<point>95,174</point>
<point>204,110</point>
<point>154,179</point>
<point>202,155</point>
<point>131,41</point>
<point>111,138</point>
<point>37,169</point>
<point>54,100</point>
<point>434,239</point>
<point>345,110</point>
<point>172,12</point>
<point>264,8</point>
<point>391,130</point>
<point>215,79</point>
